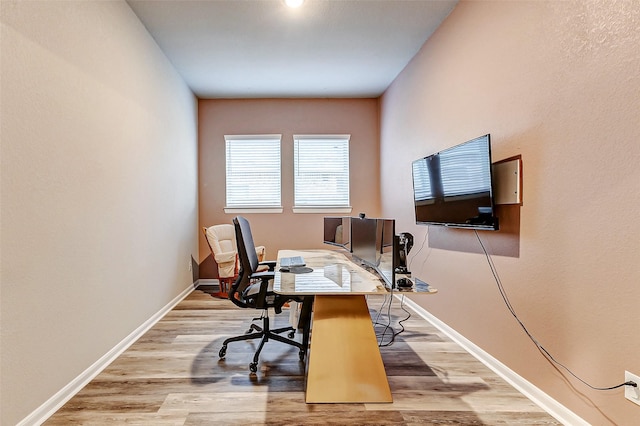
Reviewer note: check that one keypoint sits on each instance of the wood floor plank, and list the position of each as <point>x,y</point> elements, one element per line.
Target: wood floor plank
<point>173,376</point>
<point>359,418</point>
<point>97,418</point>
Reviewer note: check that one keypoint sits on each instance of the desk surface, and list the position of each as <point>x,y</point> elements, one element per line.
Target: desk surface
<point>333,274</point>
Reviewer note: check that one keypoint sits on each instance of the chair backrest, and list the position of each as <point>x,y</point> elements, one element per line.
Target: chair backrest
<point>224,236</point>
<point>248,259</point>
<point>244,238</point>
<point>222,242</point>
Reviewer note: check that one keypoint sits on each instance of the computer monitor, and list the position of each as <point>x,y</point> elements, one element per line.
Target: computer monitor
<point>389,259</point>
<point>337,231</point>
<point>365,243</point>
<point>373,243</point>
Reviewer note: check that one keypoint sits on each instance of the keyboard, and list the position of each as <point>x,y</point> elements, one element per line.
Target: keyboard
<point>290,262</point>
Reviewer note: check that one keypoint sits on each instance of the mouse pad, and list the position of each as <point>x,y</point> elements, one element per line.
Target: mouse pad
<point>300,270</point>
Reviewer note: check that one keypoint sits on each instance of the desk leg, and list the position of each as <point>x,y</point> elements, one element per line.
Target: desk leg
<point>304,322</point>
<point>345,365</point>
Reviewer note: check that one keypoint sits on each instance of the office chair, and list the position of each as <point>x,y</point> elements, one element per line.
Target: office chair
<point>222,243</point>
<point>254,289</point>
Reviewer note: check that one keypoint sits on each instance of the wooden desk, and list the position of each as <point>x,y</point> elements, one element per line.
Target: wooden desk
<point>344,363</point>
<point>333,274</point>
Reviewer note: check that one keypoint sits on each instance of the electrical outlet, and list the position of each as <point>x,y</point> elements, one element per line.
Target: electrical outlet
<point>631,393</point>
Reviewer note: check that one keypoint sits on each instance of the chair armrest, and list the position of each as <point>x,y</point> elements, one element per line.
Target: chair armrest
<point>270,263</point>
<point>264,278</point>
<point>265,275</point>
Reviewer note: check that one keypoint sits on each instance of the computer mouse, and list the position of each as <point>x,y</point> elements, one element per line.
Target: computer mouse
<point>404,282</point>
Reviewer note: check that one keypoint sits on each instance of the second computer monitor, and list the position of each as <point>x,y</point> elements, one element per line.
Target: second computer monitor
<point>373,243</point>
<point>337,231</point>
<point>366,240</point>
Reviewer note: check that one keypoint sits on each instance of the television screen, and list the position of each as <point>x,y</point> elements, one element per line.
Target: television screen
<point>454,187</point>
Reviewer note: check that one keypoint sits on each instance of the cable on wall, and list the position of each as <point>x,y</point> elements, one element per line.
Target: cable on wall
<point>424,240</point>
<point>541,348</point>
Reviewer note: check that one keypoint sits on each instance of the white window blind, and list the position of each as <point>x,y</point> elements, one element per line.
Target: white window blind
<point>466,170</point>
<point>253,171</point>
<point>321,171</point>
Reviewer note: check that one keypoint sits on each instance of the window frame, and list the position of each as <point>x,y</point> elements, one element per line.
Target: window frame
<point>341,209</point>
<point>256,208</point>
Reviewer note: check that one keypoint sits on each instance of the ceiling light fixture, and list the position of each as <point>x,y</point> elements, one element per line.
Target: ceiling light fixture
<point>293,3</point>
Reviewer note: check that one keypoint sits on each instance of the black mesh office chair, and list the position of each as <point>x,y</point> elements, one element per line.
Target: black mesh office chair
<point>254,290</point>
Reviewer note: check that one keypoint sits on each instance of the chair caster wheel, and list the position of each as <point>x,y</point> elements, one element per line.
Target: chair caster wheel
<point>223,351</point>
<point>291,334</point>
<point>253,367</point>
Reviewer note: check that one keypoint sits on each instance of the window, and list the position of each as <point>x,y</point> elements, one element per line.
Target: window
<point>253,173</point>
<point>321,173</point>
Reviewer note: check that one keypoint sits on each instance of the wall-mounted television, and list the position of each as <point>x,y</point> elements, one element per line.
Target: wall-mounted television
<point>454,187</point>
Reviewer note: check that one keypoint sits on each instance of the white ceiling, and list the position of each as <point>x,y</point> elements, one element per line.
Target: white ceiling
<point>261,48</point>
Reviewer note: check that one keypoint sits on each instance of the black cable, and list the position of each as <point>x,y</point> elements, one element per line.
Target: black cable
<point>384,301</point>
<point>419,250</point>
<point>546,353</point>
<point>393,338</point>
<point>395,333</point>
<point>388,325</point>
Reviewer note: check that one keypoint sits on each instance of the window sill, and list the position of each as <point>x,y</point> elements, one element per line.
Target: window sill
<point>322,209</point>
<point>235,210</point>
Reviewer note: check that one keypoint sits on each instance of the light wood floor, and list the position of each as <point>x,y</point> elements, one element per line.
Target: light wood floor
<point>173,376</point>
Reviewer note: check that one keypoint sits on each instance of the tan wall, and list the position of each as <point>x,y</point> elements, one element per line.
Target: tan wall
<point>559,84</point>
<point>357,117</point>
<point>99,201</point>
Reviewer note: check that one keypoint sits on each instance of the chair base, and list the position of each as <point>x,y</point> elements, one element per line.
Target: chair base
<point>265,334</point>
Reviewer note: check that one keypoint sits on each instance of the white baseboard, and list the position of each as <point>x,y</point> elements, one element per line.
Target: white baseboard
<point>53,404</point>
<point>544,401</point>
<point>206,281</point>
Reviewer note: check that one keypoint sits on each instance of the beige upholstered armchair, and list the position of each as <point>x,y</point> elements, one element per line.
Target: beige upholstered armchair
<point>222,242</point>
